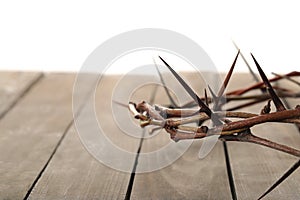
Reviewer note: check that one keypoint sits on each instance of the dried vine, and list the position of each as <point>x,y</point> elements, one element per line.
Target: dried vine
<point>176,120</point>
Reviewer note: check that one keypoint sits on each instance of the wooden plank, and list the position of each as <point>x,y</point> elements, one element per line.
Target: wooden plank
<point>74,173</point>
<point>31,131</point>
<point>255,167</point>
<point>188,177</point>
<point>13,85</point>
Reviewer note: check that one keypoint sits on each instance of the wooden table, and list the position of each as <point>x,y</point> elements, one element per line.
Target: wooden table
<point>42,156</point>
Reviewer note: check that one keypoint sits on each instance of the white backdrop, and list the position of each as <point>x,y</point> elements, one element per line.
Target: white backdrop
<point>59,35</point>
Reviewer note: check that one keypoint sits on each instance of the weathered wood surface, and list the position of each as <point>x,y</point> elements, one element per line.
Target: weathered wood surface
<point>75,174</point>
<point>188,177</point>
<point>41,118</point>
<point>31,131</point>
<point>256,168</point>
<point>13,85</point>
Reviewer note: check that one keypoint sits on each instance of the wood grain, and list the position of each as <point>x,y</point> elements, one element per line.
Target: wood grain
<point>35,125</point>
<point>74,173</point>
<point>188,177</point>
<point>30,132</point>
<point>13,85</point>
<point>255,167</point>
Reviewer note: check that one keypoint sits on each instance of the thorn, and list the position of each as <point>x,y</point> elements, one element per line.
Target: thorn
<point>279,105</point>
<point>229,172</point>
<point>225,83</point>
<point>249,68</point>
<point>228,76</point>
<point>266,109</point>
<point>205,95</point>
<point>189,90</point>
<point>120,103</point>
<point>281,179</point>
<point>153,94</point>
<point>286,103</point>
<point>214,96</point>
<point>164,84</point>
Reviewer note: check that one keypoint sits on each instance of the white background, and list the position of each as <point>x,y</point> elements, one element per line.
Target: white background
<point>59,35</point>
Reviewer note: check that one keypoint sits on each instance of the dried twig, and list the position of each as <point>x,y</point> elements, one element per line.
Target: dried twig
<point>176,121</point>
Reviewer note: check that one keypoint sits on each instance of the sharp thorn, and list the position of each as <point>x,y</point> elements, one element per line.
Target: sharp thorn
<point>225,83</point>
<point>120,103</point>
<point>164,85</point>
<point>279,105</point>
<point>247,64</point>
<point>205,95</point>
<point>189,90</point>
<point>281,179</point>
<point>214,96</point>
<point>153,94</point>
<point>228,76</point>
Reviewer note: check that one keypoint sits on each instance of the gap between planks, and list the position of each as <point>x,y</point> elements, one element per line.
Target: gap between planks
<point>70,124</point>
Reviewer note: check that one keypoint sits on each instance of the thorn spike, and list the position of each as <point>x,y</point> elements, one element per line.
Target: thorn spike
<point>205,95</point>
<point>228,76</point>
<point>247,64</point>
<point>164,85</point>
<point>281,179</point>
<point>189,90</point>
<point>279,105</point>
<point>214,96</point>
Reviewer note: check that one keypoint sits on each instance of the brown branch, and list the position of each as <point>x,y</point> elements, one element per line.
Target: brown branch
<point>260,84</point>
<point>177,121</point>
<point>264,142</point>
<point>271,117</point>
